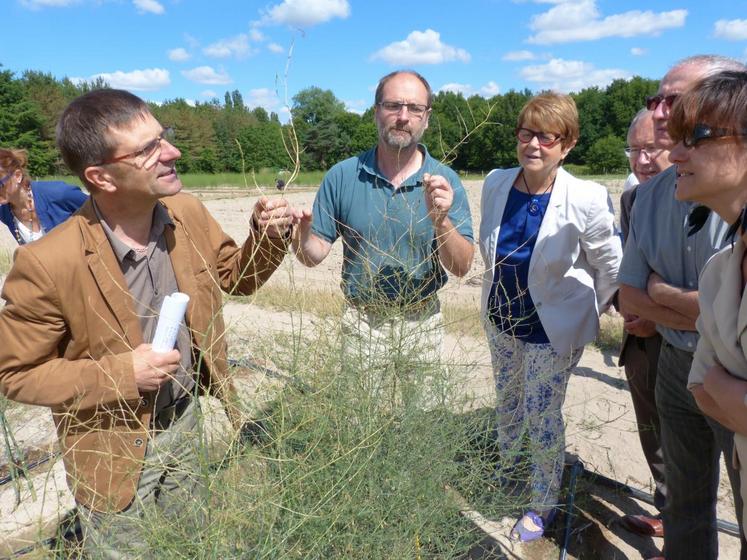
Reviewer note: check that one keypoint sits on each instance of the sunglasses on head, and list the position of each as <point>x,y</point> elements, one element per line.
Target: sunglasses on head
<point>653,101</point>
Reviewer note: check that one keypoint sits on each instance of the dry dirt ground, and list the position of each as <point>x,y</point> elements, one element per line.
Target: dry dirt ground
<point>598,412</point>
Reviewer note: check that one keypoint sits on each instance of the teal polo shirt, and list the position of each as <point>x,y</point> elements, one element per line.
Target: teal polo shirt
<point>389,244</point>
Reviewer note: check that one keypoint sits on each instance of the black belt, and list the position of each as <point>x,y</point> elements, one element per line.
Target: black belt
<point>170,414</point>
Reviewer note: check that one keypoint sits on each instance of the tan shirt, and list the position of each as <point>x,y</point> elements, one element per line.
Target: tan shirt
<point>150,278</point>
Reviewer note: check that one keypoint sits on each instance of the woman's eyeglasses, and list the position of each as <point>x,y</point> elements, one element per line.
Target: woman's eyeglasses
<point>545,139</point>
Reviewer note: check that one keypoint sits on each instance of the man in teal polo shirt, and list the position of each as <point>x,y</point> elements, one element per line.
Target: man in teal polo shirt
<point>403,217</point>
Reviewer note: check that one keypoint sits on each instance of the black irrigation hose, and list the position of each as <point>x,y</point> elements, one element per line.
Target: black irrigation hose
<point>23,469</point>
<point>576,469</point>
<point>725,527</point>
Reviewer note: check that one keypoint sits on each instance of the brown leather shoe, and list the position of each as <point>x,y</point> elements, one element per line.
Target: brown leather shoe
<point>643,525</point>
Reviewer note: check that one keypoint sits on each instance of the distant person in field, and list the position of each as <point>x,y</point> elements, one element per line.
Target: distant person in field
<point>709,128</point>
<point>29,209</point>
<point>659,283</point>
<point>81,309</point>
<point>404,221</point>
<point>641,342</point>
<point>551,253</point>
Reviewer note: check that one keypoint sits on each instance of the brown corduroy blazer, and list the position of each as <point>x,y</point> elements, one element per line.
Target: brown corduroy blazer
<point>69,326</point>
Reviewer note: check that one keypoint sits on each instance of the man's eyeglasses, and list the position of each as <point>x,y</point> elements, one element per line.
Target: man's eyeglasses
<point>150,153</point>
<point>545,139</point>
<point>649,151</point>
<point>653,101</point>
<point>415,109</point>
<point>703,132</point>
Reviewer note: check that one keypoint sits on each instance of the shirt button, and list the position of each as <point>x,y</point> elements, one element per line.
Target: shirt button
<point>143,401</point>
<point>689,248</point>
<point>138,442</point>
<point>689,344</point>
<point>691,284</point>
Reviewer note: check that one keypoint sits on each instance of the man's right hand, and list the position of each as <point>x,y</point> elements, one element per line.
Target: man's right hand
<point>153,369</point>
<point>639,327</point>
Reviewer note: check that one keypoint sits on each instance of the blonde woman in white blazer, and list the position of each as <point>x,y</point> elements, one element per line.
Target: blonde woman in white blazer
<point>709,126</point>
<point>551,255</point>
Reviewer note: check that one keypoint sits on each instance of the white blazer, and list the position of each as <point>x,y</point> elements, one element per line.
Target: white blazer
<point>573,267</point>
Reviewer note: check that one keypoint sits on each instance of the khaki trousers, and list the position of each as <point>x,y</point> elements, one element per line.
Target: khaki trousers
<point>171,489</point>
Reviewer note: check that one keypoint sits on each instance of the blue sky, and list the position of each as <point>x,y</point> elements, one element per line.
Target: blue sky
<point>198,49</point>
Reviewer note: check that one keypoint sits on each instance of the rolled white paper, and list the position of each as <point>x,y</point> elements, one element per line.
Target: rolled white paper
<point>170,319</point>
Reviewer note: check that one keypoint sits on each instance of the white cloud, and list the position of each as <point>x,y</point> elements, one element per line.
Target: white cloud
<point>638,51</point>
<point>237,46</point>
<point>514,56</point>
<point>208,93</point>
<point>149,6</point>
<point>150,79</point>
<point>488,90</point>
<point>420,47</point>
<point>358,106</point>
<point>179,55</point>
<point>570,75</point>
<point>263,97</point>
<point>274,47</point>
<point>455,87</point>
<point>207,75</point>
<point>305,13</point>
<point>256,35</point>
<point>731,30</point>
<point>581,20</point>
<point>39,4</point>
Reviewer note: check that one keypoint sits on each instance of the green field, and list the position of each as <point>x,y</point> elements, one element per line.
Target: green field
<point>267,178</point>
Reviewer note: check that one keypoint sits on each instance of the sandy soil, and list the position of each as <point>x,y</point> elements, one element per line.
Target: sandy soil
<point>598,411</point>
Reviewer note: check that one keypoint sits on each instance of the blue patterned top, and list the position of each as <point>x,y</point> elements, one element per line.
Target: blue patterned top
<point>510,305</point>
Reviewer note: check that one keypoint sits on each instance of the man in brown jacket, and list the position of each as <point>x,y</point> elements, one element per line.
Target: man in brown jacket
<point>82,304</point>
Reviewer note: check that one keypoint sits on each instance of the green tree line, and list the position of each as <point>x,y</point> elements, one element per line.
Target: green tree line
<point>471,133</point>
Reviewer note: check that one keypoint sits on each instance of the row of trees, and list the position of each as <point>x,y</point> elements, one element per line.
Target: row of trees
<point>472,134</point>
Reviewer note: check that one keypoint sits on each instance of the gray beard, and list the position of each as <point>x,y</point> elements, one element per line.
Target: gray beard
<point>400,141</point>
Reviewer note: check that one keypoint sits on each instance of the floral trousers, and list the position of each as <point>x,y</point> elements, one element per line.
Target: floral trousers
<point>530,382</point>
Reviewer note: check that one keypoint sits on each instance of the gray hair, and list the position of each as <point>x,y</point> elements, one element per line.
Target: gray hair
<point>638,116</point>
<point>710,63</point>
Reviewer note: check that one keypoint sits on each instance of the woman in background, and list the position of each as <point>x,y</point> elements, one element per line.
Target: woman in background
<point>551,256</point>
<point>709,125</point>
<point>31,208</point>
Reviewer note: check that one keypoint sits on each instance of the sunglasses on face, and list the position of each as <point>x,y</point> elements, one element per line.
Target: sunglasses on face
<point>702,132</point>
<point>149,153</point>
<point>653,101</point>
<point>545,139</point>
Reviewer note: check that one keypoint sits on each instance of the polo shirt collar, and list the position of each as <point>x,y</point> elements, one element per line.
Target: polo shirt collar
<point>121,250</point>
<point>369,165</point>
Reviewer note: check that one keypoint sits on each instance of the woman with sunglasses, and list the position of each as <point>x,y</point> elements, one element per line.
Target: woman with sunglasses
<point>551,254</point>
<point>31,208</point>
<point>709,126</point>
